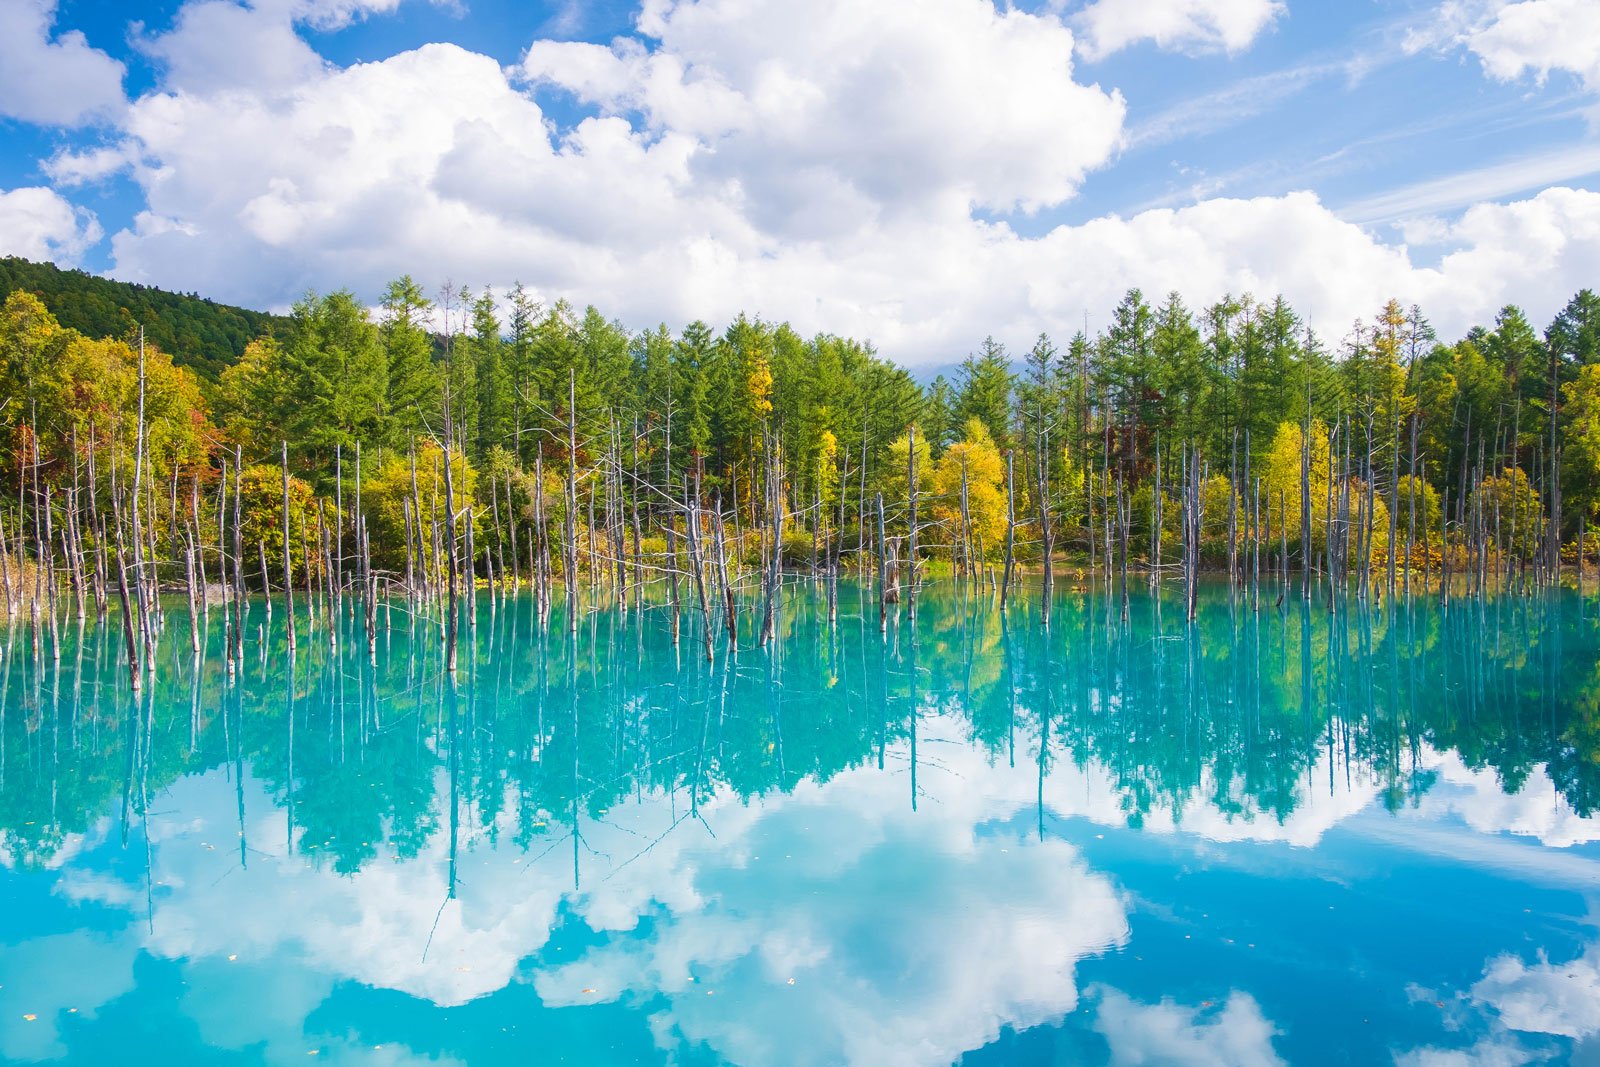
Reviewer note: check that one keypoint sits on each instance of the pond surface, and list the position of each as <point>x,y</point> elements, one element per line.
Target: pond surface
<point>1272,836</point>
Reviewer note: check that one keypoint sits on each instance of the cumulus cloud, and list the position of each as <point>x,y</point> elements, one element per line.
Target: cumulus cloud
<point>1476,797</point>
<point>217,45</point>
<point>1170,1033</point>
<point>1527,1011</point>
<point>712,151</point>
<point>38,223</point>
<point>1512,39</point>
<point>896,106</point>
<point>55,81</point>
<point>851,169</point>
<point>1177,25</point>
<point>1544,998</point>
<point>792,956</point>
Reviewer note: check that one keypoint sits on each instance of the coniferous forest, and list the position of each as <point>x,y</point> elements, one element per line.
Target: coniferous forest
<point>585,458</point>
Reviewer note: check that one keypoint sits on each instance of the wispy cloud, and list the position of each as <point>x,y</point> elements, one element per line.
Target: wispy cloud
<point>1232,104</point>
<point>1472,186</point>
<point>1279,174</point>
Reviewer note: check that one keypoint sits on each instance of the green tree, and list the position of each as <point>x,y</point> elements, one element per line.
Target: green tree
<point>492,375</point>
<point>983,391</point>
<point>336,371</point>
<point>411,388</point>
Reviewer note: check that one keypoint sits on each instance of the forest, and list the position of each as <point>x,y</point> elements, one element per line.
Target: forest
<point>439,439</point>
<point>200,333</point>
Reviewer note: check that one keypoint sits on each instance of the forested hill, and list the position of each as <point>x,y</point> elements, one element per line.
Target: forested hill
<point>196,332</point>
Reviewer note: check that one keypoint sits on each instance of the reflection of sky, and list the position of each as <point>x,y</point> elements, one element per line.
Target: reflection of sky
<point>835,924</point>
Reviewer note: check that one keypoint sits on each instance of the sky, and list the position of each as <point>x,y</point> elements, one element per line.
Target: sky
<point>917,173</point>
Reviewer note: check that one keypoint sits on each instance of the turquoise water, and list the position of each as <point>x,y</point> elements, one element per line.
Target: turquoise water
<point>1267,836</point>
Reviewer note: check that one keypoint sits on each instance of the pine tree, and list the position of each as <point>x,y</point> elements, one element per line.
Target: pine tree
<point>412,387</point>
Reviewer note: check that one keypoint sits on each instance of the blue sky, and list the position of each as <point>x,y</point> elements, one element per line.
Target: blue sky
<point>918,173</point>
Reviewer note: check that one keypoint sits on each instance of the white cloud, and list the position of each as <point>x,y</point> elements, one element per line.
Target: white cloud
<point>725,966</point>
<point>39,223</point>
<point>73,167</point>
<point>1176,25</point>
<point>1546,998</point>
<point>849,110</point>
<point>1175,1034</point>
<point>55,82</point>
<point>1472,186</point>
<point>219,45</point>
<point>825,167</point>
<point>1511,39</point>
<point>1500,1049</point>
<point>1522,1007</point>
<point>1535,253</point>
<point>1535,810</point>
<point>1206,113</point>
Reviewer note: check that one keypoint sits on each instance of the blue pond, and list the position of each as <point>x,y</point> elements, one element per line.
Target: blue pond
<point>1270,835</point>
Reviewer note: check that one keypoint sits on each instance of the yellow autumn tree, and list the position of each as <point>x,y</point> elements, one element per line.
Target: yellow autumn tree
<point>1280,481</point>
<point>386,491</point>
<point>827,468</point>
<point>261,507</point>
<point>893,483</point>
<point>759,385</point>
<point>986,493</point>
<point>1511,505</point>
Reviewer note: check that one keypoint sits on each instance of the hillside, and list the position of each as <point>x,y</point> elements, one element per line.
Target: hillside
<point>197,332</point>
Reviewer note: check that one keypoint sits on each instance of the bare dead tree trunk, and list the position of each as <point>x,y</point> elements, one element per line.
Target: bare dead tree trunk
<point>288,559</point>
<point>1046,532</point>
<point>692,509</point>
<point>452,620</point>
<point>774,580</point>
<point>1011,530</point>
<point>883,578</point>
<point>730,605</point>
<point>572,502</point>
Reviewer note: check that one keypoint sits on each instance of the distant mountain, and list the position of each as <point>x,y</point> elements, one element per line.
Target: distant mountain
<point>924,375</point>
<point>196,332</point>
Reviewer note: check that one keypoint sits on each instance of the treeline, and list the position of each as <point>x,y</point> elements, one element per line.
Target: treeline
<point>200,333</point>
<point>1232,434</point>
